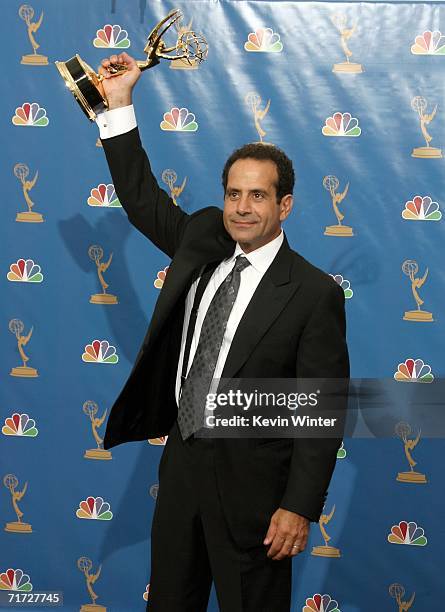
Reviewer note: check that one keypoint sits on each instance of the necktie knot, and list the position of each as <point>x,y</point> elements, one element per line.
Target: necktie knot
<point>241,262</point>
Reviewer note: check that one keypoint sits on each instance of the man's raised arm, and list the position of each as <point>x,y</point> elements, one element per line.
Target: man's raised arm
<point>149,208</point>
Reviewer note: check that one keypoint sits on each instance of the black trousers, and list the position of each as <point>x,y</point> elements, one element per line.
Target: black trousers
<point>191,543</point>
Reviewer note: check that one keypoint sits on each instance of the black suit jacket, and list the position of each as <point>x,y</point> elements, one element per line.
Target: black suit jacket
<point>294,326</point>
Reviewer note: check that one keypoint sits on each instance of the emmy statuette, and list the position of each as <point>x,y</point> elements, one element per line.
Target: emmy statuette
<point>86,86</point>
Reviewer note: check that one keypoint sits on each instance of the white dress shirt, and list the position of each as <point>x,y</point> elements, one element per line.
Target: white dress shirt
<point>117,121</point>
<point>121,120</point>
<point>260,260</point>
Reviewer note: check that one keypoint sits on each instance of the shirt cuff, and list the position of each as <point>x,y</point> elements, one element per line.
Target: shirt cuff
<point>116,121</point>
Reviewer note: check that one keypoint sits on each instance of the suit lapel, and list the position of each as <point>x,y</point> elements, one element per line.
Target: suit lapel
<point>187,265</point>
<point>272,294</point>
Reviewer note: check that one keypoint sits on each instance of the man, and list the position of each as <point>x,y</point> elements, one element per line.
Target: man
<point>237,301</point>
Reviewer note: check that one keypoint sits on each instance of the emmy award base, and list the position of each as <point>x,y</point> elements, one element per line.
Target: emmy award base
<point>427,152</point>
<point>24,371</point>
<point>17,527</point>
<point>338,230</point>
<point>349,67</point>
<point>326,551</point>
<point>418,315</point>
<point>415,477</point>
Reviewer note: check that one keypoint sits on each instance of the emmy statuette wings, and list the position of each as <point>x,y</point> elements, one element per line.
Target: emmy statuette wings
<point>84,83</point>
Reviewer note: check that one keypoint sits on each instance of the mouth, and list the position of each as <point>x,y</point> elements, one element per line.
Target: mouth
<point>243,223</point>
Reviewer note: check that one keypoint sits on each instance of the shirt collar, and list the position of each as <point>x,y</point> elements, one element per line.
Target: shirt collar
<point>262,257</point>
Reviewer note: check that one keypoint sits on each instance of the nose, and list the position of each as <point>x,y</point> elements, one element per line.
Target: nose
<point>243,205</point>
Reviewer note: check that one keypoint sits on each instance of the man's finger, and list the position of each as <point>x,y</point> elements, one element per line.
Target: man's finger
<point>285,550</point>
<point>103,71</point>
<point>276,545</point>
<point>126,58</point>
<point>296,548</point>
<point>270,534</point>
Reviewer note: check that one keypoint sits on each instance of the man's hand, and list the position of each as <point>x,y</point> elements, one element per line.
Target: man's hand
<point>118,88</point>
<point>288,533</point>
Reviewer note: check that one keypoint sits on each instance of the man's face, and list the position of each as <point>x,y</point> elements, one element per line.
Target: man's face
<point>252,215</point>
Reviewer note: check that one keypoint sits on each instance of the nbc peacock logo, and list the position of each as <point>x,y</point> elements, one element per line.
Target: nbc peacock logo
<point>24,271</point>
<point>20,425</point>
<point>429,43</point>
<point>100,351</point>
<point>179,120</point>
<point>111,37</point>
<point>341,124</point>
<point>263,40</point>
<point>15,580</point>
<point>344,284</point>
<point>421,209</point>
<point>160,278</point>
<point>94,509</point>
<point>104,196</point>
<point>321,603</point>
<point>414,370</point>
<point>30,115</point>
<point>161,441</point>
<point>407,533</point>
<point>341,453</point>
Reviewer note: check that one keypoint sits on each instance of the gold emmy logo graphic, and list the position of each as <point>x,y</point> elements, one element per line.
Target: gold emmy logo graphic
<point>16,327</point>
<point>21,171</point>
<point>26,12</point>
<point>96,253</point>
<point>349,67</point>
<point>190,62</point>
<point>419,104</point>
<point>170,177</point>
<point>10,481</point>
<point>403,430</point>
<point>331,183</point>
<point>90,408</point>
<point>325,550</point>
<point>397,591</point>
<point>85,565</point>
<point>253,101</point>
<point>410,268</point>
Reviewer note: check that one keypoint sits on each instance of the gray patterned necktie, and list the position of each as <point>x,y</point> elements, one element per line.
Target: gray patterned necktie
<point>197,384</point>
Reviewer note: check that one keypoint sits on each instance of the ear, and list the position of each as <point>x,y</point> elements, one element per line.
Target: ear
<point>286,206</point>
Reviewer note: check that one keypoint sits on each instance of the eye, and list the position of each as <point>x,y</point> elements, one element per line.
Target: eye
<point>258,195</point>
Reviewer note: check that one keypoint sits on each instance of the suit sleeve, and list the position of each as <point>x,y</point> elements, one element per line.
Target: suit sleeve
<point>322,354</point>
<point>149,208</point>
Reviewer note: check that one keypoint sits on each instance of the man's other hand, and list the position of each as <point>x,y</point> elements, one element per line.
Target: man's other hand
<point>287,534</point>
<point>118,88</point>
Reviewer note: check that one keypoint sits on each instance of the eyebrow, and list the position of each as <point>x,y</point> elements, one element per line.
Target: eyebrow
<point>258,190</point>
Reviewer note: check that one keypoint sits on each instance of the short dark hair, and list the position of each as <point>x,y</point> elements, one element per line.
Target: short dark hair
<point>265,151</point>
